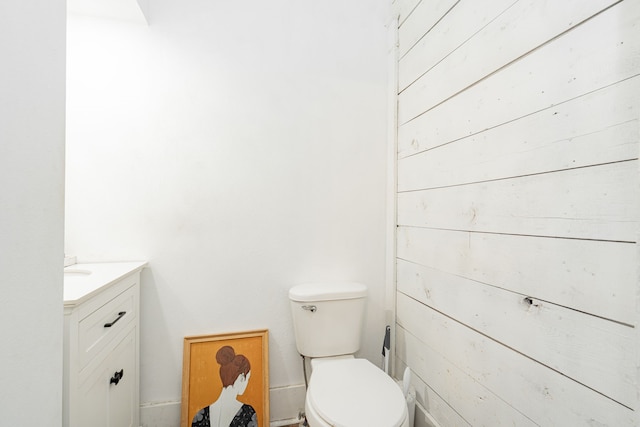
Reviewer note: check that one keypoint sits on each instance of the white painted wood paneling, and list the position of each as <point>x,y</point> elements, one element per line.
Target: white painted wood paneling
<point>583,60</point>
<point>425,15</point>
<point>518,207</point>
<point>591,276</point>
<point>456,27</point>
<point>471,62</point>
<point>590,203</point>
<point>404,8</point>
<point>599,127</point>
<point>538,393</point>
<point>550,334</point>
<point>477,405</point>
<point>427,400</point>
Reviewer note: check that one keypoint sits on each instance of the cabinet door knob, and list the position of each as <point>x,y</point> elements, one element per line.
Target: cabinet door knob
<point>110,324</point>
<point>117,376</point>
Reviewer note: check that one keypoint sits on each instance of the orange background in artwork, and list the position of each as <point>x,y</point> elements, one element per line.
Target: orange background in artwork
<point>204,375</point>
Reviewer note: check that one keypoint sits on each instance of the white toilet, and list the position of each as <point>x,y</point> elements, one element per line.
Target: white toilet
<point>343,391</point>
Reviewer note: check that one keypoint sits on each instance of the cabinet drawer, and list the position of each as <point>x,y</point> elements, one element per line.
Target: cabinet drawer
<point>98,328</point>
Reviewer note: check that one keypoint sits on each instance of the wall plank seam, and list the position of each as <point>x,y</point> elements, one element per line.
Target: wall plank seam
<point>515,119</point>
<point>504,66</point>
<point>514,349</point>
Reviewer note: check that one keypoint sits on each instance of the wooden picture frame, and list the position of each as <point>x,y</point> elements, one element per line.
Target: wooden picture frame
<point>203,375</point>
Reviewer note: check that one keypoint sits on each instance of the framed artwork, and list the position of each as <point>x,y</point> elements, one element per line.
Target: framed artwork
<point>225,380</point>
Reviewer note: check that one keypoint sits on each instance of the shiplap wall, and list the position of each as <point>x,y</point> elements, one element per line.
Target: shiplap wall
<point>517,210</point>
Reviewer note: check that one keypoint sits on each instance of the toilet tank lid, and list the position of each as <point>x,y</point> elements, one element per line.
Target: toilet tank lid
<point>327,291</point>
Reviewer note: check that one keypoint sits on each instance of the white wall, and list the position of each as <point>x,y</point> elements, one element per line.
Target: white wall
<point>32,86</point>
<point>240,148</point>
<point>518,210</point>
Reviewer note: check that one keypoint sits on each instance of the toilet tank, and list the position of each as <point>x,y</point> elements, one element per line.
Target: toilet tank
<point>328,318</point>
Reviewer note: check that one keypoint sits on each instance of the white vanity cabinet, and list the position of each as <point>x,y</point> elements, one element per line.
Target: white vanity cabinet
<point>101,344</point>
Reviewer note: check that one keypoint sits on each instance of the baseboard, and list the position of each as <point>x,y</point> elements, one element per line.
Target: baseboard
<point>160,414</point>
<point>285,423</point>
<point>284,405</point>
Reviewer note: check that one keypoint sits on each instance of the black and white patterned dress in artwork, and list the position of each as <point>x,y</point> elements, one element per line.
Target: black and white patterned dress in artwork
<point>245,417</point>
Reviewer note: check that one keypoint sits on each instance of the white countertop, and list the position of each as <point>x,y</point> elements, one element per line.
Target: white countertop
<point>81,281</point>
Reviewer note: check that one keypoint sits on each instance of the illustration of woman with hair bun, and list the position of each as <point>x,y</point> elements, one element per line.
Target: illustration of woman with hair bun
<point>227,411</point>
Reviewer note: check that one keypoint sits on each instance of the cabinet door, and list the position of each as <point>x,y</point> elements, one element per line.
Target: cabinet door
<point>107,398</point>
<point>122,400</point>
<point>92,402</point>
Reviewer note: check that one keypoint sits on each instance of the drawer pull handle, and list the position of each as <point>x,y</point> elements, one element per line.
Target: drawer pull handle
<point>110,324</point>
<point>117,376</point>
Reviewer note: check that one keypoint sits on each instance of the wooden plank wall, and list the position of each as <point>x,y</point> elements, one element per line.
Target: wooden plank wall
<point>518,210</point>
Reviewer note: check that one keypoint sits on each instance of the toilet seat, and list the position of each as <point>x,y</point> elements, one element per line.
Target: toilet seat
<point>354,393</point>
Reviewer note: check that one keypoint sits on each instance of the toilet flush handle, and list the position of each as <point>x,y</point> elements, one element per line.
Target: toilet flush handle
<point>311,308</point>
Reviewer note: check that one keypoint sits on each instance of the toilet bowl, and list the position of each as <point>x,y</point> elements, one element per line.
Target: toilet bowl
<point>350,392</point>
